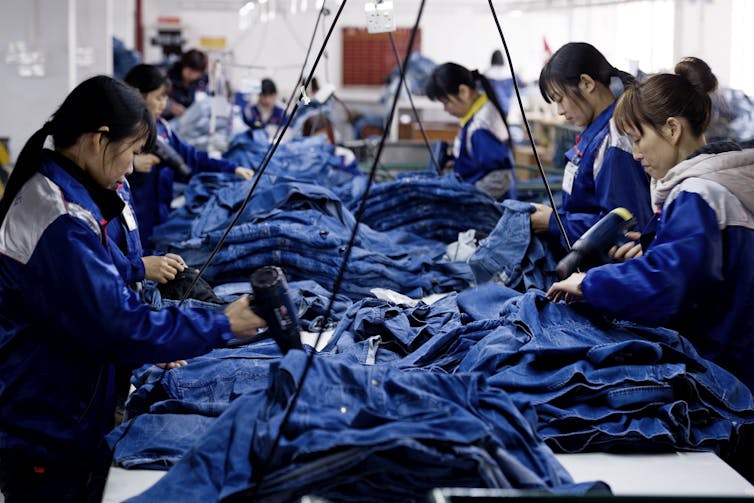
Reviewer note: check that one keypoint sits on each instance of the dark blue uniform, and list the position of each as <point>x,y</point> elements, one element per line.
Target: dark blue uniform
<point>601,175</point>
<point>696,276</point>
<point>153,191</point>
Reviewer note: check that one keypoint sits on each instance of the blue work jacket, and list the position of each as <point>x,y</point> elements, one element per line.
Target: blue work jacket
<point>68,318</point>
<point>252,116</point>
<point>482,145</point>
<point>123,231</point>
<point>696,275</point>
<point>153,191</point>
<point>601,175</point>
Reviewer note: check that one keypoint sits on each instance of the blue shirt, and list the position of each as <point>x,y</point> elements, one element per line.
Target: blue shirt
<point>482,145</point>
<point>153,191</point>
<point>601,175</point>
<point>696,276</point>
<point>68,318</point>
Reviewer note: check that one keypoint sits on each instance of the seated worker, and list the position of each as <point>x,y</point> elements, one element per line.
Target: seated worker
<point>695,274</point>
<point>482,150</point>
<point>68,317</point>
<point>266,114</point>
<point>600,174</point>
<point>152,184</point>
<point>187,76</point>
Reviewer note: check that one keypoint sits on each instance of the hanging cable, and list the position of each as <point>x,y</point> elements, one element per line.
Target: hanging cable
<point>528,131</point>
<point>411,101</point>
<point>260,468</point>
<point>273,146</point>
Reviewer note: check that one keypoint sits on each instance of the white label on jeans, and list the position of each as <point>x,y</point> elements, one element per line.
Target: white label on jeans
<point>568,176</point>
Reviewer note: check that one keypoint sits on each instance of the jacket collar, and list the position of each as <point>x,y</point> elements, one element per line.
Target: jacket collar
<point>108,201</point>
<point>478,103</point>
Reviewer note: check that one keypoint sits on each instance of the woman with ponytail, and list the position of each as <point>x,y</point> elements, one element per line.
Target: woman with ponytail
<point>600,174</point>
<point>695,273</point>
<point>482,149</point>
<point>68,317</point>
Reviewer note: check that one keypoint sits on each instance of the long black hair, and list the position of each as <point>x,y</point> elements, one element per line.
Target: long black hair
<point>562,72</point>
<point>146,78</point>
<point>96,102</point>
<point>446,79</point>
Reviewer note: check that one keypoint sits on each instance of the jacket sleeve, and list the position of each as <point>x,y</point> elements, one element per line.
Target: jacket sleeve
<point>198,160</point>
<point>76,289</point>
<point>130,268</point>
<point>621,182</point>
<point>489,152</point>
<point>683,261</point>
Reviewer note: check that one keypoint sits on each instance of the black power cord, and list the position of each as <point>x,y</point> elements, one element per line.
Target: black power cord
<point>528,130</point>
<point>411,101</point>
<point>273,147</point>
<point>259,469</point>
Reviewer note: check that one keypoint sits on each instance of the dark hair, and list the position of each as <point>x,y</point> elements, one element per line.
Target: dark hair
<point>446,79</point>
<point>268,87</point>
<point>683,94</point>
<point>497,58</point>
<point>96,102</point>
<point>562,72</point>
<point>146,78</point>
<point>194,59</point>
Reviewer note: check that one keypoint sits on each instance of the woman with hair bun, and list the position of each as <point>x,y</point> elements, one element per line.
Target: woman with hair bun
<point>694,273</point>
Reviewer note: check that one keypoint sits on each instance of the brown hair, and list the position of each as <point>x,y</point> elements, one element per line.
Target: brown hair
<point>685,93</point>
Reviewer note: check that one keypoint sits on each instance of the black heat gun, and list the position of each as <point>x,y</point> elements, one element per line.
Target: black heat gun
<point>593,246</point>
<point>170,158</point>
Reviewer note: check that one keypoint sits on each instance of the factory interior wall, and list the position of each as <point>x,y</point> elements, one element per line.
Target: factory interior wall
<point>653,32</point>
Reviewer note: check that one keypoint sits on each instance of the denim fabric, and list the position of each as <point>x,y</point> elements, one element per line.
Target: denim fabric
<point>356,428</point>
<point>593,384</point>
<point>314,250</point>
<point>598,384</point>
<point>433,207</point>
<point>511,255</point>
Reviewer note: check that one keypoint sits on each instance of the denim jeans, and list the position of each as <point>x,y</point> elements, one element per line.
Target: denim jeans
<point>511,255</point>
<point>359,433</point>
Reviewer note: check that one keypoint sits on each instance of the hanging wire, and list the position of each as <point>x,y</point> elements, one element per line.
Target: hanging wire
<point>528,131</point>
<point>411,100</point>
<point>260,468</point>
<point>273,146</point>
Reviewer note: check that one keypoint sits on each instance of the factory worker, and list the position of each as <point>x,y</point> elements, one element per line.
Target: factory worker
<point>187,76</point>
<point>266,113</point>
<point>482,150</point>
<point>152,183</point>
<point>600,174</point>
<point>68,316</point>
<point>696,273</point>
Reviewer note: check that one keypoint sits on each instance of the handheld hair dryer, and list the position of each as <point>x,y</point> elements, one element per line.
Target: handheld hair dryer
<point>592,248</point>
<point>170,158</point>
<point>272,302</point>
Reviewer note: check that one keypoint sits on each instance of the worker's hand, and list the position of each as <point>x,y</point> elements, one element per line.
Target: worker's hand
<point>540,219</point>
<point>629,250</point>
<point>143,163</point>
<point>243,321</point>
<point>245,173</point>
<point>172,365</point>
<point>568,290</point>
<point>163,268</point>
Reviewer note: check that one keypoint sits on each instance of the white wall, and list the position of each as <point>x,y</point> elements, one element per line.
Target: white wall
<point>55,28</point>
<point>650,34</point>
<point>27,102</point>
